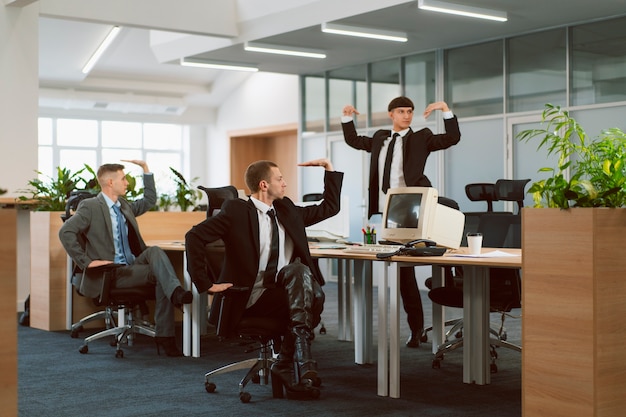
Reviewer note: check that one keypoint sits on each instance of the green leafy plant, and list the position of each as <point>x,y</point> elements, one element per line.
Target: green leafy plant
<point>186,195</point>
<point>51,195</point>
<point>597,175</point>
<point>3,191</point>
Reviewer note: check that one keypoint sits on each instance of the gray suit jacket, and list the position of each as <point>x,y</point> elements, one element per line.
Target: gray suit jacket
<point>88,234</point>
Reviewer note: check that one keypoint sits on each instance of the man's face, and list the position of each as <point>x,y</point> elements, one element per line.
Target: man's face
<point>119,183</point>
<point>276,185</point>
<point>401,117</point>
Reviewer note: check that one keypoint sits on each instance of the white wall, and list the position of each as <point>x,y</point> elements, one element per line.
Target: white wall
<point>262,100</point>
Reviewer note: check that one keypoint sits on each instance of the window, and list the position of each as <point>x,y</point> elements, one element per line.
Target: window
<point>419,79</point>
<point>598,62</point>
<point>385,86</point>
<point>347,86</point>
<point>536,70</point>
<point>473,77</point>
<point>72,143</point>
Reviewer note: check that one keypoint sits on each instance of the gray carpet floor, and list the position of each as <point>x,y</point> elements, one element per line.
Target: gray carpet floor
<point>57,381</point>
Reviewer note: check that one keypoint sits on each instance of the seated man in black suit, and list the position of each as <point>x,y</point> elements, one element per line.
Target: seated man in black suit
<point>267,253</point>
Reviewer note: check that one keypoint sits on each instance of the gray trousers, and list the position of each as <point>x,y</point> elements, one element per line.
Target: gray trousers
<point>153,266</point>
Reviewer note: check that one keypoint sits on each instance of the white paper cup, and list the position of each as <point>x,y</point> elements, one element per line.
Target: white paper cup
<point>474,243</point>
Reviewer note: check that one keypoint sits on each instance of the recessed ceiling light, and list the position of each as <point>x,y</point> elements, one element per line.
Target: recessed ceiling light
<point>462,10</point>
<point>186,62</point>
<point>387,35</point>
<point>284,50</point>
<point>103,47</point>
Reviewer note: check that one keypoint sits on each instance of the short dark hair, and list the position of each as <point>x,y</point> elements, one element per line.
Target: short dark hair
<point>400,102</point>
<point>256,172</point>
<point>107,169</point>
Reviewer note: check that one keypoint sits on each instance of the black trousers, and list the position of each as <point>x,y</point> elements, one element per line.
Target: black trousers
<point>411,299</point>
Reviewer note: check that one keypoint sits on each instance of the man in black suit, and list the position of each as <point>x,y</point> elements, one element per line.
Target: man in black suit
<point>407,159</point>
<point>291,292</point>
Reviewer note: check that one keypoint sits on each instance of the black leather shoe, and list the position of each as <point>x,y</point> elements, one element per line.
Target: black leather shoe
<point>414,340</point>
<point>169,346</point>
<point>180,297</point>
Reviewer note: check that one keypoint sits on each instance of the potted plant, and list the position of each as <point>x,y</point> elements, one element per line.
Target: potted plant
<point>574,269</point>
<point>186,196</point>
<point>596,165</point>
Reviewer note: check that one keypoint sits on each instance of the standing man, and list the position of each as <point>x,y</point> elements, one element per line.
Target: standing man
<point>398,158</point>
<point>267,253</point>
<point>104,231</point>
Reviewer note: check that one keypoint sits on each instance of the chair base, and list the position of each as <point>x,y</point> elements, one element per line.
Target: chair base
<point>258,372</point>
<point>123,332</point>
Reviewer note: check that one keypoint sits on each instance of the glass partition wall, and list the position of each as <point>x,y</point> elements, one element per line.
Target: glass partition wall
<point>494,88</point>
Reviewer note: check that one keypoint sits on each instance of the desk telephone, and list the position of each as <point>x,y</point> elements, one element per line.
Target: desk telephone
<point>408,249</point>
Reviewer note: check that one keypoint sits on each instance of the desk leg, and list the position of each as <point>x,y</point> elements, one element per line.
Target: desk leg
<point>439,318</point>
<point>363,310</point>
<point>476,325</point>
<point>191,316</point>
<point>344,301</point>
<point>383,352</point>
<point>389,332</point>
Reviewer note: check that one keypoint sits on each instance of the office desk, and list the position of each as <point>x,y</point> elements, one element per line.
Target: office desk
<point>475,310</point>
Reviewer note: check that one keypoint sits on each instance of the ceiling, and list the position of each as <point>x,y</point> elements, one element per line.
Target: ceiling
<point>140,72</point>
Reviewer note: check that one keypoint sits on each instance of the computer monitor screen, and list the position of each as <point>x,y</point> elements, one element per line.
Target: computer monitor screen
<point>413,213</point>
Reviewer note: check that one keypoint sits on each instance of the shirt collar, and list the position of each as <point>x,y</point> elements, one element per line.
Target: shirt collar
<point>261,206</point>
<point>402,132</point>
<point>110,202</point>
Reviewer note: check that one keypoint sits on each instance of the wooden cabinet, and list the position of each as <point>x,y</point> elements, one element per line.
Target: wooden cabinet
<point>574,307</point>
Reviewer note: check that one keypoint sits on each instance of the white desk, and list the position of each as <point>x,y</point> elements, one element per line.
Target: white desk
<point>475,310</point>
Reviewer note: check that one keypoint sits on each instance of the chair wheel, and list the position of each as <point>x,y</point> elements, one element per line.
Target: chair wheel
<point>256,378</point>
<point>436,364</point>
<point>424,338</point>
<point>245,397</point>
<point>119,353</point>
<point>74,333</point>
<point>84,349</point>
<point>493,368</point>
<point>210,387</point>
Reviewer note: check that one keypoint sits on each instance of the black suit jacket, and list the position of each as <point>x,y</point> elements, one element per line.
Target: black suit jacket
<point>416,146</point>
<point>237,225</point>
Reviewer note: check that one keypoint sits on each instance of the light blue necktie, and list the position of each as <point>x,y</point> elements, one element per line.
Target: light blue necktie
<point>123,235</point>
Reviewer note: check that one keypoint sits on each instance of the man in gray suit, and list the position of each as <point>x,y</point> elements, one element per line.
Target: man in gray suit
<point>104,231</point>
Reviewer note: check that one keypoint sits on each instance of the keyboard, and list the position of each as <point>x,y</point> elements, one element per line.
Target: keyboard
<point>372,248</point>
<point>382,250</point>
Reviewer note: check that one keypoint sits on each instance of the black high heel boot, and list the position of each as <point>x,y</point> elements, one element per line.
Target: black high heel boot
<point>307,366</point>
<point>283,381</point>
<point>169,346</point>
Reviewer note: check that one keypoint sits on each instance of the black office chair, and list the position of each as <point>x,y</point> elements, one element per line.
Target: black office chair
<point>504,290</point>
<point>312,197</point>
<point>216,197</point>
<point>259,334</point>
<point>125,301</point>
<point>119,303</point>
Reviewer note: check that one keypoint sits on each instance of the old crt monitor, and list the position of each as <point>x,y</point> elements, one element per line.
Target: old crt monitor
<point>412,213</point>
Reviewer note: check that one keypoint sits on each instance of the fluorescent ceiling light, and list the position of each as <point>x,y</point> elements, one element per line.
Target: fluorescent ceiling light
<point>362,32</point>
<point>283,50</point>
<point>462,10</point>
<point>185,62</point>
<point>103,47</point>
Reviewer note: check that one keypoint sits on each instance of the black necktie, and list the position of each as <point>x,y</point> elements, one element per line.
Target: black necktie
<point>123,235</point>
<point>388,158</point>
<point>269,277</point>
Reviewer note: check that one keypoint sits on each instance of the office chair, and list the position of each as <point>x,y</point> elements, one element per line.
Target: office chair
<point>118,303</point>
<point>125,301</point>
<point>217,196</point>
<point>312,197</point>
<point>260,334</point>
<point>504,290</point>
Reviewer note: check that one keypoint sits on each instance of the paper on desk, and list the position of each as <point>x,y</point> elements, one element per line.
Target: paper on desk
<point>492,254</point>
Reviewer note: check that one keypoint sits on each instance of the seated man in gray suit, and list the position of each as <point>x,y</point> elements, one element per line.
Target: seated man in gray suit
<point>104,231</point>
